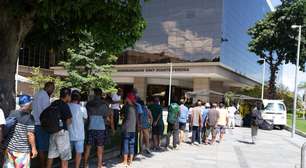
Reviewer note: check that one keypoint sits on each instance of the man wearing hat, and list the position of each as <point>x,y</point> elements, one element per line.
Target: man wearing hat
<point>21,142</point>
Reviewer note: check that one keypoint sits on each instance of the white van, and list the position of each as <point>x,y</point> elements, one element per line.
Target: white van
<point>275,111</point>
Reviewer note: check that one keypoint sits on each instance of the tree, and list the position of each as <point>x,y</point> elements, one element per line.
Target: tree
<point>115,25</point>
<point>40,79</point>
<point>87,68</point>
<point>274,40</point>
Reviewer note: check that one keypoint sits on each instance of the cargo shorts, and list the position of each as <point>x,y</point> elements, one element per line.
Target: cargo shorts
<point>59,145</point>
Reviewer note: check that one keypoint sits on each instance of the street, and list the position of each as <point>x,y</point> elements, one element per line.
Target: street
<point>273,149</point>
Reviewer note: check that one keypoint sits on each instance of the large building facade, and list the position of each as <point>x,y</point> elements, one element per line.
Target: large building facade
<point>205,41</point>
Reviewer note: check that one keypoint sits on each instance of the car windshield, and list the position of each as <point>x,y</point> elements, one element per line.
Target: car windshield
<point>275,107</point>
<point>269,107</point>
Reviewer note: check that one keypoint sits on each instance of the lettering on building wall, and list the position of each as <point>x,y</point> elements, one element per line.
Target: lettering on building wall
<point>153,70</point>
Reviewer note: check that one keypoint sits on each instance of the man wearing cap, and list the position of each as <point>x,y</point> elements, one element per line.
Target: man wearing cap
<point>21,142</point>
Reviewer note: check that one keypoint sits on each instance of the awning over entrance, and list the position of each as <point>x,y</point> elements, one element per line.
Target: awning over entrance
<point>203,93</point>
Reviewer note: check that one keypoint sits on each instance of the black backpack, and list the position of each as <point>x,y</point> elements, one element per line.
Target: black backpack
<point>50,119</point>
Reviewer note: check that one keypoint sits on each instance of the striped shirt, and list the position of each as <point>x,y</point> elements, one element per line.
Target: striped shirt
<point>18,139</point>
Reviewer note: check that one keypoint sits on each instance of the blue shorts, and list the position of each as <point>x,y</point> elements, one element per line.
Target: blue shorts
<point>129,143</point>
<point>42,139</point>
<point>78,146</point>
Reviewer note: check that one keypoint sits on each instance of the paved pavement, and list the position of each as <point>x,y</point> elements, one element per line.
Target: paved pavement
<point>274,149</point>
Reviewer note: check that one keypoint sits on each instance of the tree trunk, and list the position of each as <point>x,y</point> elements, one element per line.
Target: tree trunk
<point>12,32</point>
<point>272,82</point>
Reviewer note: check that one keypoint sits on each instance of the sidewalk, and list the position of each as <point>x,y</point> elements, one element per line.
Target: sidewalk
<point>274,149</point>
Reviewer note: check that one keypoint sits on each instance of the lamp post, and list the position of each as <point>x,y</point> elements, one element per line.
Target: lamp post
<point>263,78</point>
<point>295,80</point>
<point>170,84</point>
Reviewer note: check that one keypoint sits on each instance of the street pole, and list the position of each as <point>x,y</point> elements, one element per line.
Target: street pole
<point>16,77</point>
<point>170,84</point>
<point>263,79</point>
<point>295,81</point>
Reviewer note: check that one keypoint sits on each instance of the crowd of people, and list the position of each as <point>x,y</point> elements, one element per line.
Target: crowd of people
<point>53,130</point>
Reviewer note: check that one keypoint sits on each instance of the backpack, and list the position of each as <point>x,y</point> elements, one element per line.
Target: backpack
<point>9,126</point>
<point>173,111</point>
<point>50,119</point>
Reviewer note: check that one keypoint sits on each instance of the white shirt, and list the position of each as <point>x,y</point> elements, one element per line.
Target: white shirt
<point>2,118</point>
<point>76,129</point>
<point>116,98</point>
<point>231,111</point>
<point>40,103</point>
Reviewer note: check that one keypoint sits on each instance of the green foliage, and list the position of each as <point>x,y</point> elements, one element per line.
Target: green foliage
<point>228,97</point>
<point>282,93</point>
<point>39,81</point>
<point>115,25</point>
<point>88,67</point>
<point>274,40</point>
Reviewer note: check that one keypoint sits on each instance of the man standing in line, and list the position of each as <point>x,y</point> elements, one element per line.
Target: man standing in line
<point>212,119</point>
<point>116,98</point>
<point>21,141</point>
<point>222,121</point>
<point>40,103</point>
<point>129,125</point>
<point>145,124</point>
<point>173,124</point>
<point>204,119</point>
<point>196,122</point>
<point>231,116</point>
<point>158,122</point>
<point>183,120</point>
<point>98,113</point>
<point>76,129</point>
<point>59,145</point>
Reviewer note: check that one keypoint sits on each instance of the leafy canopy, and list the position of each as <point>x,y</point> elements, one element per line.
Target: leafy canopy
<point>87,68</point>
<point>115,25</point>
<point>273,38</point>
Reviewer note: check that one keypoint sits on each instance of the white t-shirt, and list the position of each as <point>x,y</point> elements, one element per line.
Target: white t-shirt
<point>116,98</point>
<point>2,118</point>
<point>223,115</point>
<point>231,111</point>
<point>76,129</point>
<point>40,103</point>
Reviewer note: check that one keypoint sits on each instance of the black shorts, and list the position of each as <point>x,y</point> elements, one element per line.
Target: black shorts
<point>96,137</point>
<point>158,130</point>
<point>182,126</point>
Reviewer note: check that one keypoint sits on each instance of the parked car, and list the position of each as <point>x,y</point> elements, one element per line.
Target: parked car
<point>275,111</point>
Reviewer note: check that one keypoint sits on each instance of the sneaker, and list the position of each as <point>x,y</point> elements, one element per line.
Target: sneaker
<point>148,151</point>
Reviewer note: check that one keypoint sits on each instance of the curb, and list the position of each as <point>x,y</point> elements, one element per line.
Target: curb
<point>298,132</point>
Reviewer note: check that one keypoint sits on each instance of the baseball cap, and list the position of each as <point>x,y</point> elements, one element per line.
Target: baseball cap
<point>131,97</point>
<point>207,105</point>
<point>24,100</point>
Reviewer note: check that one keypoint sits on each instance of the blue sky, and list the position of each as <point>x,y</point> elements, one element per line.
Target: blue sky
<point>276,2</point>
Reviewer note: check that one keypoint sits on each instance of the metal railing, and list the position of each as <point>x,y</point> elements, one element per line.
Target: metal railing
<point>303,159</point>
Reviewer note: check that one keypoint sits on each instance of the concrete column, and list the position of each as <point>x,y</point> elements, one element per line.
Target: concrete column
<point>201,84</point>
<point>217,86</point>
<point>140,83</point>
